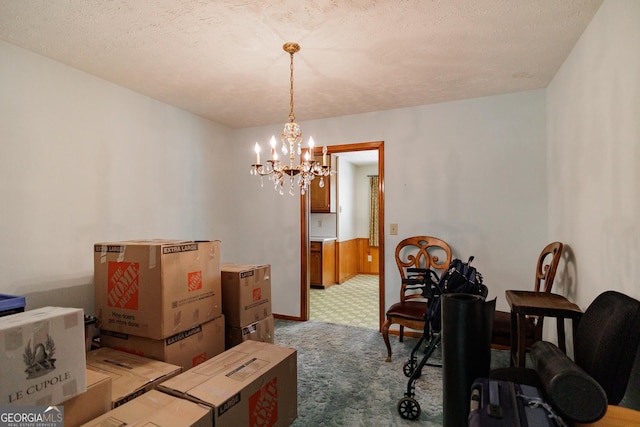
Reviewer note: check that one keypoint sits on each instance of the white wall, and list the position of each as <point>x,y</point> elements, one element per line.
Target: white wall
<point>593,115</point>
<point>346,201</point>
<point>323,225</point>
<point>84,161</point>
<point>471,172</point>
<point>363,199</point>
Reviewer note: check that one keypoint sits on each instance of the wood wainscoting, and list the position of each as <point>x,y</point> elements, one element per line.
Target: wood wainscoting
<point>369,262</point>
<point>355,257</point>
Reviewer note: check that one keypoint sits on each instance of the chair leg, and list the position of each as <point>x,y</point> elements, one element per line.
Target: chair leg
<point>401,332</point>
<point>385,336</point>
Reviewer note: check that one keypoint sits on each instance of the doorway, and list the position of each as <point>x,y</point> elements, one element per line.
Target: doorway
<point>304,228</point>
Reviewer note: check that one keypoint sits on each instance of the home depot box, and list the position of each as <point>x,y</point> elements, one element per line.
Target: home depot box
<point>246,293</point>
<point>186,349</point>
<point>42,356</point>
<point>156,409</point>
<point>156,288</point>
<point>252,384</point>
<point>131,375</point>
<point>90,404</point>
<point>262,330</point>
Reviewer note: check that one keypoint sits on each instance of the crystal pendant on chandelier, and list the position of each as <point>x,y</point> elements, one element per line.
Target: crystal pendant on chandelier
<point>308,168</point>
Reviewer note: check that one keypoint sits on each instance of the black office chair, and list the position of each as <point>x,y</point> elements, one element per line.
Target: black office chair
<point>605,347</point>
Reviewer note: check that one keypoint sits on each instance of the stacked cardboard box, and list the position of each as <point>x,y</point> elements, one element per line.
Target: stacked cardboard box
<point>186,349</point>
<point>42,361</point>
<point>246,303</point>
<point>252,384</point>
<point>131,375</point>
<point>160,298</point>
<point>156,409</point>
<point>91,404</point>
<point>146,306</point>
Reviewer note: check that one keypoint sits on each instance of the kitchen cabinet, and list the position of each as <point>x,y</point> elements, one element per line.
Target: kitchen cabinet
<point>322,263</point>
<point>320,196</point>
<point>323,199</point>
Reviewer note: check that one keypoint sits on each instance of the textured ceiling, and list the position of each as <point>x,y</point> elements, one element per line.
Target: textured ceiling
<point>223,59</point>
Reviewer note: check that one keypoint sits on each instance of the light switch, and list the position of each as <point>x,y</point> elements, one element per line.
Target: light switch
<point>393,229</point>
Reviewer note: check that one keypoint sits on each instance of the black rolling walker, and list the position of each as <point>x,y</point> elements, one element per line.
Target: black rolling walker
<point>459,278</point>
<point>408,406</point>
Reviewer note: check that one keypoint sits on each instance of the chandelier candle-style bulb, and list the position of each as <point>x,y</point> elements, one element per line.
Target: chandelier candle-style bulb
<point>311,144</point>
<point>324,155</point>
<point>274,155</point>
<point>257,149</point>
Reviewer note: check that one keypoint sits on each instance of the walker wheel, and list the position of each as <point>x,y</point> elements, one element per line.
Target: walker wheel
<point>409,367</point>
<point>409,408</point>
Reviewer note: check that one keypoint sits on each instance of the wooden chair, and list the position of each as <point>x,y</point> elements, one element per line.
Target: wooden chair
<point>545,273</point>
<point>422,252</point>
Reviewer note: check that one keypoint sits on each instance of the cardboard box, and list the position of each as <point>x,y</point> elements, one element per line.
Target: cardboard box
<point>156,409</point>
<point>90,404</point>
<point>131,375</point>
<point>246,293</point>
<point>42,358</point>
<point>252,384</point>
<point>186,349</point>
<point>262,330</point>
<point>156,288</point>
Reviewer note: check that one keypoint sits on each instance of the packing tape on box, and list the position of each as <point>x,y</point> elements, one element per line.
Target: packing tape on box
<point>152,257</point>
<point>105,249</point>
<point>70,320</point>
<point>103,254</point>
<point>13,340</point>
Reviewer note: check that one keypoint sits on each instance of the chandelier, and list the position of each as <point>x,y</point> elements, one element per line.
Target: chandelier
<point>299,175</point>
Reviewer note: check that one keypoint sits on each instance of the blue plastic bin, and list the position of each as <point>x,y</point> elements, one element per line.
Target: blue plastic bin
<point>10,304</point>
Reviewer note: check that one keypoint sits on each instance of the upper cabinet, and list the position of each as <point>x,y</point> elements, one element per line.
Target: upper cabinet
<point>320,196</point>
<point>323,199</point>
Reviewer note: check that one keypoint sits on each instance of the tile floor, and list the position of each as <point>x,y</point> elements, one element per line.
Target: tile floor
<point>354,302</point>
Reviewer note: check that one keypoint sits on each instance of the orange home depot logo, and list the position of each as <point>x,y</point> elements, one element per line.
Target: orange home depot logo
<point>257,294</point>
<point>194,280</point>
<point>198,359</point>
<point>122,285</point>
<point>263,405</point>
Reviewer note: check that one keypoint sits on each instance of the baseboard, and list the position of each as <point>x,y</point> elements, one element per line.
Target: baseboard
<point>285,317</point>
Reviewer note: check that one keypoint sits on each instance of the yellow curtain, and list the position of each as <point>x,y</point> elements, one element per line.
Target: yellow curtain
<point>373,217</point>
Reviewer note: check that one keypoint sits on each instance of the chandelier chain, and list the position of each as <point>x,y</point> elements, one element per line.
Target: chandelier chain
<point>292,116</point>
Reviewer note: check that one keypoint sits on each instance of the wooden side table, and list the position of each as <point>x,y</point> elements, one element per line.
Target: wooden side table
<point>545,304</point>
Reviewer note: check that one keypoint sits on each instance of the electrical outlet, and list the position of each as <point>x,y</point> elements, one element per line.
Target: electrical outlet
<point>393,229</point>
<point>369,258</point>
<point>320,223</point>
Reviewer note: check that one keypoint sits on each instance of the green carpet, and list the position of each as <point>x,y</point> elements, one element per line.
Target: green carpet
<point>343,379</point>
